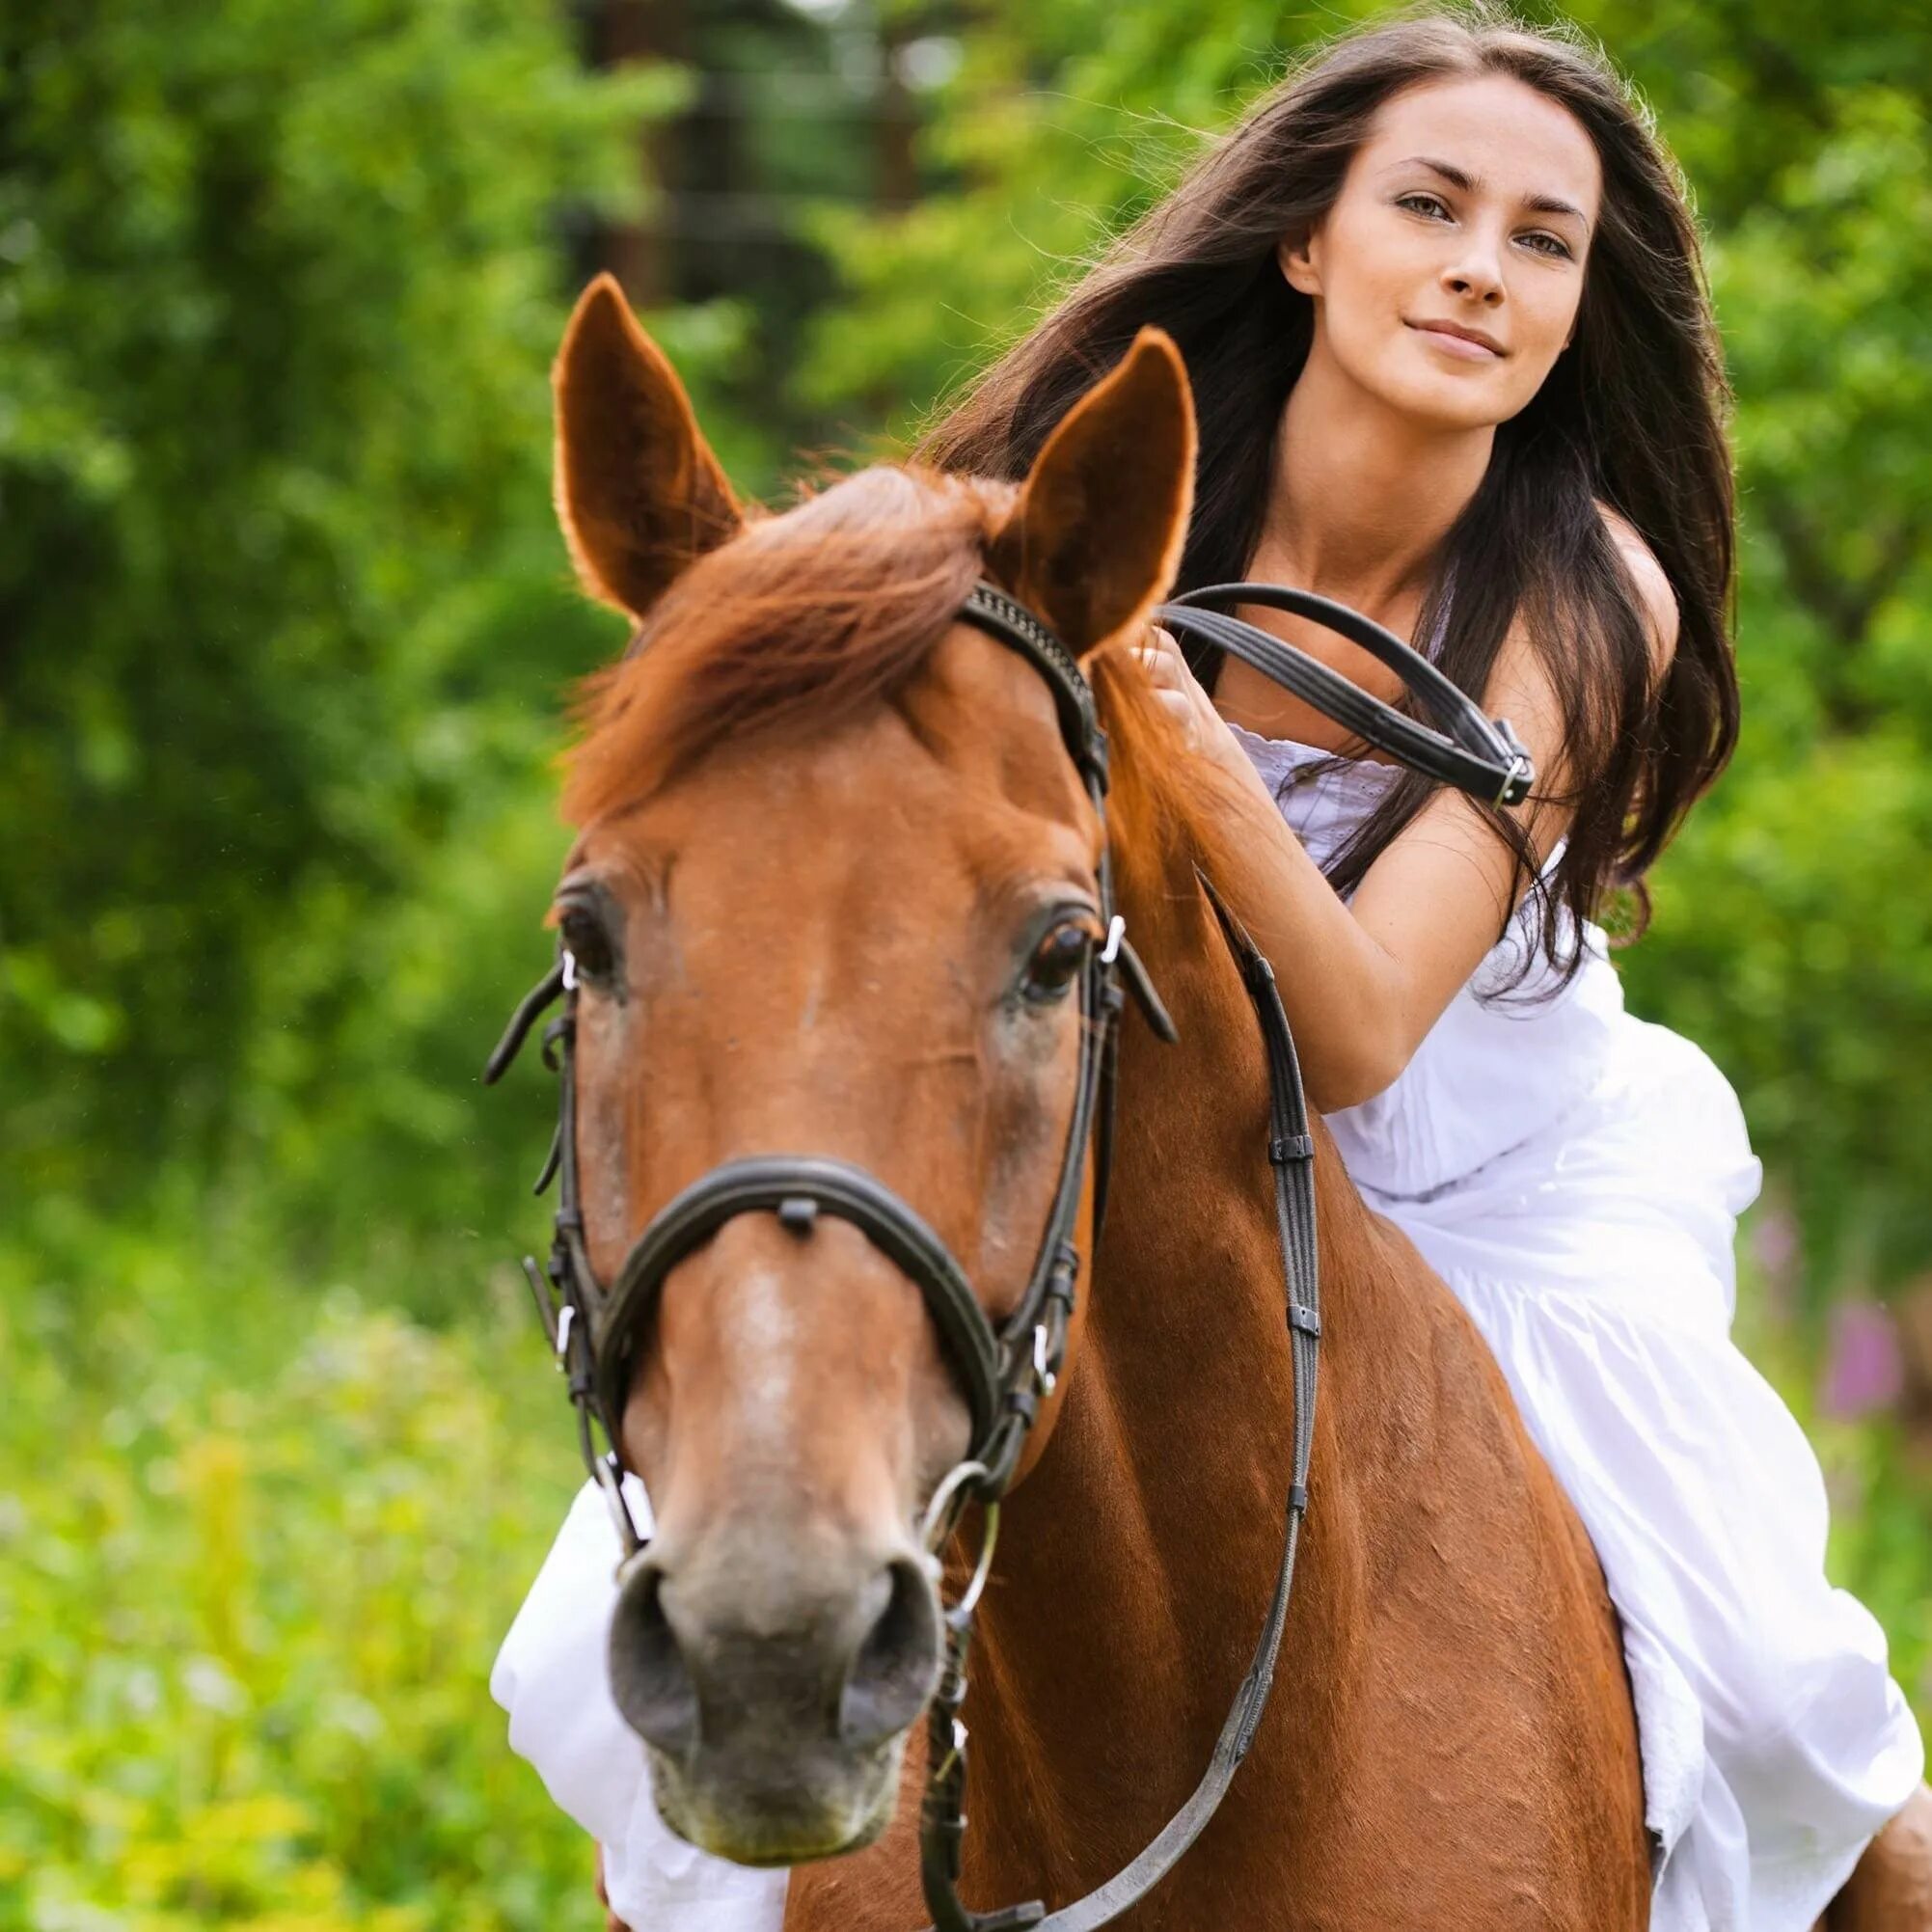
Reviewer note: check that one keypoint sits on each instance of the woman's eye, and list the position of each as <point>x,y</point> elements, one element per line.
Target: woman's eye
<point>1057,960</point>
<point>586,940</point>
<point>1432,205</point>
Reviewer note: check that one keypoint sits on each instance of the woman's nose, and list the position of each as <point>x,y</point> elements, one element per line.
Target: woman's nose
<point>1476,271</point>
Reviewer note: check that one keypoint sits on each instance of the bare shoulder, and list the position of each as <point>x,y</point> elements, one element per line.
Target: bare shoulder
<point>1522,685</point>
<point>1654,587</point>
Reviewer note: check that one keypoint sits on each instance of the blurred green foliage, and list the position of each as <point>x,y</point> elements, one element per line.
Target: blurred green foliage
<point>283,622</point>
<point>284,631</point>
<point>249,1624</point>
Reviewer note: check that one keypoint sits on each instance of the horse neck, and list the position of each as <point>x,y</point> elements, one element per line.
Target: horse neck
<point>1137,1559</point>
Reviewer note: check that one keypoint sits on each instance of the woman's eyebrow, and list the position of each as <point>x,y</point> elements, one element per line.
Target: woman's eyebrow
<point>1545,204</point>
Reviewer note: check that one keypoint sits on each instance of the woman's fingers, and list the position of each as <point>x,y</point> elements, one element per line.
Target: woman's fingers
<point>1184,699</point>
<point>1162,656</point>
<point>1174,685</point>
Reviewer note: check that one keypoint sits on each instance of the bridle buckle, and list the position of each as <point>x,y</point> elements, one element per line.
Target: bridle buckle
<point>1042,1372</point>
<point>1521,773</point>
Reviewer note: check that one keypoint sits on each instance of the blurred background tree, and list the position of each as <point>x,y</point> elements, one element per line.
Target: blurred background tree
<point>284,629</point>
<point>280,624</point>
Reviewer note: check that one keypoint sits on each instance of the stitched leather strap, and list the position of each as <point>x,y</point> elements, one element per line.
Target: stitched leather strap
<point>1480,756</point>
<point>798,1188</point>
<point>1290,1152</point>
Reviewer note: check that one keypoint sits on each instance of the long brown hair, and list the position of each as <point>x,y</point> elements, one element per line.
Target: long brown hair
<point>1632,414</point>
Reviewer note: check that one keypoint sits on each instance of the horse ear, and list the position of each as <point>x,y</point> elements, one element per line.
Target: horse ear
<point>639,492</point>
<point>1094,539</point>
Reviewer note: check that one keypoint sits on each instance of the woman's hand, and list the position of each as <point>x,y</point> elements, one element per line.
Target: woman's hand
<point>1182,694</point>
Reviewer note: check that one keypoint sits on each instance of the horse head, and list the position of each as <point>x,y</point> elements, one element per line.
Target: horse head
<point>834,885</point>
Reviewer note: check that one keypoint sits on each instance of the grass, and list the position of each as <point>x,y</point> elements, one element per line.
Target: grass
<point>257,1551</point>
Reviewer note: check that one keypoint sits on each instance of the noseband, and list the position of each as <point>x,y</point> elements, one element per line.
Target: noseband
<point>1006,1370</point>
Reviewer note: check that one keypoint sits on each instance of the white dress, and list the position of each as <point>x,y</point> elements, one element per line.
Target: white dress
<point>1574,1174</point>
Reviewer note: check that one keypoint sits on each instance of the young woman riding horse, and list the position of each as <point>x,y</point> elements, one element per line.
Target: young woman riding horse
<point>1452,363</point>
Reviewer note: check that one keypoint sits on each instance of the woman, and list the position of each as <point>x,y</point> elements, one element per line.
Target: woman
<point>1453,361</point>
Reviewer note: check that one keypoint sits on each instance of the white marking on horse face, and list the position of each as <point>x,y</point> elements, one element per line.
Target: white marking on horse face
<point>814,988</point>
<point>766,1344</point>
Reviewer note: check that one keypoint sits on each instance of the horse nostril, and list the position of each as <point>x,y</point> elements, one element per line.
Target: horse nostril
<point>650,1680</point>
<point>898,1664</point>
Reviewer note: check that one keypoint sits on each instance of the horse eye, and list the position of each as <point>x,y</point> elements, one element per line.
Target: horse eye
<point>586,938</point>
<point>1057,960</point>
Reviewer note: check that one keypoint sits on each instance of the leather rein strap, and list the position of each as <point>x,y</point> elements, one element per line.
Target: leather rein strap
<point>942,1820</point>
<point>1477,754</point>
<point>594,1331</point>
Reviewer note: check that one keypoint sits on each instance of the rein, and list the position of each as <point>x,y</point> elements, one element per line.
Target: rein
<point>1007,1371</point>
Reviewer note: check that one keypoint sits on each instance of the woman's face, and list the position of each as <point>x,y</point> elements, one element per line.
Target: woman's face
<point>1471,203</point>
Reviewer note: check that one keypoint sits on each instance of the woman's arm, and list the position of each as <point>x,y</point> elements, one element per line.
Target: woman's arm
<point>1363,982</point>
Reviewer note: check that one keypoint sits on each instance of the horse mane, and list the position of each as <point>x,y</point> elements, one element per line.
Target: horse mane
<point>812,616</point>
<point>1164,800</point>
<point>797,621</point>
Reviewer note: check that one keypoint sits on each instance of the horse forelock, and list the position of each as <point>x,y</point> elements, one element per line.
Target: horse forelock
<point>801,620</point>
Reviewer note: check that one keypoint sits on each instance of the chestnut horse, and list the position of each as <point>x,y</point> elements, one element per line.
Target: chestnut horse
<point>830,850</point>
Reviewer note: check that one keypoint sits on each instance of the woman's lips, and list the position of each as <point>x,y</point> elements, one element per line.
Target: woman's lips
<point>1456,346</point>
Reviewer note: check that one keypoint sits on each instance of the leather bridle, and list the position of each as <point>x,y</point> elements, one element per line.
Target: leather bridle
<point>1007,1369</point>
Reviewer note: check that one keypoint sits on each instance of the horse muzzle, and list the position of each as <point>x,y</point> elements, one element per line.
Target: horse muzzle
<point>773,1679</point>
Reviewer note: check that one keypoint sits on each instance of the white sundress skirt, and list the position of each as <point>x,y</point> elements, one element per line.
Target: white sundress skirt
<point>550,1676</point>
<point>1575,1175</point>
<point>1596,1259</point>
